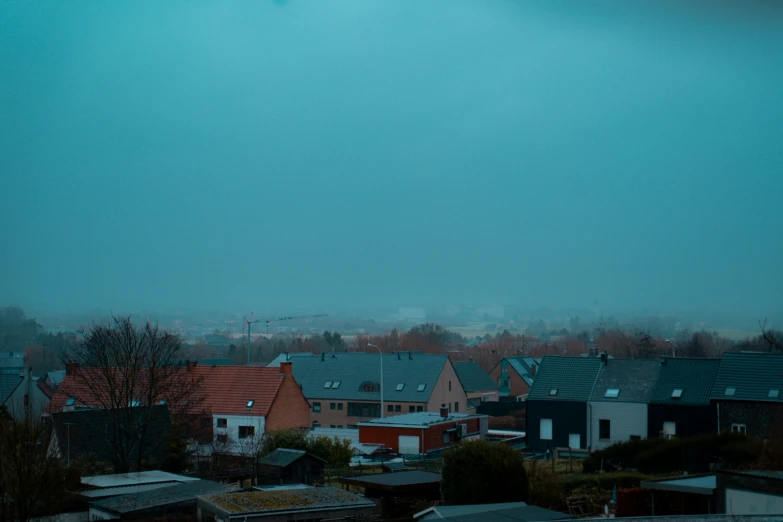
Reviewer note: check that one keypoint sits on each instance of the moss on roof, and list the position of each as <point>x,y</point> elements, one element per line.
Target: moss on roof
<point>268,501</point>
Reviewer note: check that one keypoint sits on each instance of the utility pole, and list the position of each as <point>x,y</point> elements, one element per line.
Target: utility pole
<point>381,354</point>
<point>69,424</point>
<point>249,322</point>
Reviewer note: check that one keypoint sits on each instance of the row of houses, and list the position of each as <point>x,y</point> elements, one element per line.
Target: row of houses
<point>590,403</point>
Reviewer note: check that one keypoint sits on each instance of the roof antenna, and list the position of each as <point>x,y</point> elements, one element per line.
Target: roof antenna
<point>409,355</point>
<point>398,356</point>
<point>323,356</point>
<point>333,357</point>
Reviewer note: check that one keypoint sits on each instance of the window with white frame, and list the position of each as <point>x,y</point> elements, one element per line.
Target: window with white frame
<point>545,429</point>
<point>739,428</point>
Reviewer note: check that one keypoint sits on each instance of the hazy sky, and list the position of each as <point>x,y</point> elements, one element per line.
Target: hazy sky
<point>316,154</point>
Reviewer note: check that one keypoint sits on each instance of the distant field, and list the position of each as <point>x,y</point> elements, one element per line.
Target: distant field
<point>737,335</point>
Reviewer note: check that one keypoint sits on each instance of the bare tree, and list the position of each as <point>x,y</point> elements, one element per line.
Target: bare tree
<point>771,338</point>
<point>128,371</point>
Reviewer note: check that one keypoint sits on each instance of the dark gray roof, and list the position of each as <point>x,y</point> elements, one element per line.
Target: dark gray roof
<point>522,514</point>
<point>8,383</point>
<point>635,378</point>
<point>694,376</point>
<point>283,357</point>
<point>524,367</point>
<point>752,375</point>
<point>283,457</point>
<point>402,478</point>
<point>162,496</point>
<point>473,378</point>
<point>572,377</point>
<point>351,370</point>
<point>301,500</point>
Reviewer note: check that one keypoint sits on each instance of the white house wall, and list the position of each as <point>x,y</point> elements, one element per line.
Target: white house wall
<point>626,419</point>
<point>236,445</point>
<point>99,514</point>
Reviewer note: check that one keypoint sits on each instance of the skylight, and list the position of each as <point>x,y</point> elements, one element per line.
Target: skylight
<point>677,393</point>
<point>773,394</point>
<point>335,385</point>
<point>612,393</point>
<point>730,392</point>
<point>328,384</point>
<point>134,403</point>
<point>163,401</point>
<point>553,392</point>
<point>250,403</point>
<point>421,387</point>
<point>70,402</point>
<point>400,386</point>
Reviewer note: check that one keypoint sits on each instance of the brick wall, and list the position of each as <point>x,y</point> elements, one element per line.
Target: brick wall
<point>517,384</point>
<point>290,409</point>
<point>759,418</point>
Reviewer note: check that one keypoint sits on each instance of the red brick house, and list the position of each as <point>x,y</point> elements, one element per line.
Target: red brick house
<point>515,375</point>
<point>423,432</point>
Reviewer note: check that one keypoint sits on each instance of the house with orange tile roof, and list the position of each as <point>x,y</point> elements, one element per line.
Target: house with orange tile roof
<point>231,407</point>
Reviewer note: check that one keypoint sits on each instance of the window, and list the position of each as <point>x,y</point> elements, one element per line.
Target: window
<point>773,394</point>
<point>449,407</point>
<point>545,429</point>
<point>316,407</point>
<point>332,406</point>
<point>604,429</point>
<point>328,384</point>
<point>612,393</point>
<point>635,437</point>
<point>390,408</point>
<point>677,393</point>
<point>364,409</point>
<point>397,408</point>
<point>400,386</point>
<point>730,392</point>
<point>336,384</point>
<point>339,406</point>
<point>411,409</point>
<point>340,426</point>
<point>449,385</point>
<point>553,392</point>
<point>421,387</point>
<point>70,402</point>
<point>134,403</point>
<point>315,424</point>
<point>222,437</point>
<point>353,427</point>
<point>368,387</point>
<point>456,406</point>
<point>331,425</point>
<point>446,437</point>
<point>250,403</point>
<point>739,428</point>
<point>222,423</point>
<point>669,429</point>
<point>419,408</point>
<point>247,432</point>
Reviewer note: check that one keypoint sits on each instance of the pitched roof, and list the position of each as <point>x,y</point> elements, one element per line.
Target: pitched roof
<point>573,378</point>
<point>694,376</point>
<point>91,433</point>
<point>754,377</point>
<point>223,390</point>
<point>56,377</point>
<point>479,512</point>
<point>45,389</point>
<point>353,369</point>
<point>284,357</point>
<point>8,384</point>
<point>162,496</point>
<point>473,378</point>
<point>283,457</point>
<point>633,378</point>
<point>287,500</point>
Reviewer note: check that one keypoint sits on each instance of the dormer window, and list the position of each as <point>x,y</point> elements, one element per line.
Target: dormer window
<point>773,394</point>
<point>400,386</point>
<point>729,392</point>
<point>250,403</point>
<point>328,384</point>
<point>612,393</point>
<point>368,386</point>
<point>421,387</point>
<point>335,385</point>
<point>677,393</point>
<point>70,402</point>
<point>553,392</point>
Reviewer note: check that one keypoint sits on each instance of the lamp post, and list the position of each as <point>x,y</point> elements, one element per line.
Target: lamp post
<point>672,345</point>
<point>69,424</point>
<point>380,353</point>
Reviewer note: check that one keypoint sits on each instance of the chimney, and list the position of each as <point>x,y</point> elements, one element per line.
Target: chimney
<point>444,412</point>
<point>71,367</point>
<point>398,356</point>
<point>323,356</point>
<point>190,365</point>
<point>410,356</point>
<point>533,368</point>
<point>663,359</point>
<point>286,368</point>
<point>605,357</point>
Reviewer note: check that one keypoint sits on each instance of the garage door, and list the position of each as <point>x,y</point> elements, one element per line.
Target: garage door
<point>408,445</point>
<point>741,502</point>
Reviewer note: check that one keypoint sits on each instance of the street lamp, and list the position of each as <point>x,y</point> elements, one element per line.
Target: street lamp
<point>381,355</point>
<point>672,345</point>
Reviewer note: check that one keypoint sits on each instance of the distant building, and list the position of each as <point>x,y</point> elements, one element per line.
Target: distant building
<point>21,394</point>
<point>478,386</point>
<point>288,466</point>
<point>217,340</point>
<point>11,362</point>
<point>108,486</point>
<point>515,375</point>
<point>510,511</point>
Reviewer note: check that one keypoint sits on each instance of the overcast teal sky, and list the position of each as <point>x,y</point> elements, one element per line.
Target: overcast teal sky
<point>317,154</point>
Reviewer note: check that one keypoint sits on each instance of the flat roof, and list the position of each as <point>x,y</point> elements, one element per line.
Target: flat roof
<point>124,490</point>
<point>394,481</point>
<point>244,503</point>
<point>135,478</point>
<point>162,496</point>
<point>419,419</point>
<point>281,487</point>
<point>699,484</point>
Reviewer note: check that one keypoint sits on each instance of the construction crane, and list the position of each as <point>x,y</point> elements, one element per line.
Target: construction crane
<point>270,320</point>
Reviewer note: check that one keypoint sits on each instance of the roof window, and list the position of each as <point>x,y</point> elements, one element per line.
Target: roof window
<point>730,392</point>
<point>335,385</point>
<point>773,394</point>
<point>134,403</point>
<point>421,387</point>
<point>400,386</point>
<point>553,392</point>
<point>677,393</point>
<point>70,402</point>
<point>250,403</point>
<point>328,384</point>
<point>612,393</point>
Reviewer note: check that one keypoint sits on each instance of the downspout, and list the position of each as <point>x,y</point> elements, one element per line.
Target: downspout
<point>590,408</point>
<point>717,404</point>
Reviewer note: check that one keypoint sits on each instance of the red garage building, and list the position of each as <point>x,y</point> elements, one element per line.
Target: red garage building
<point>423,432</point>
